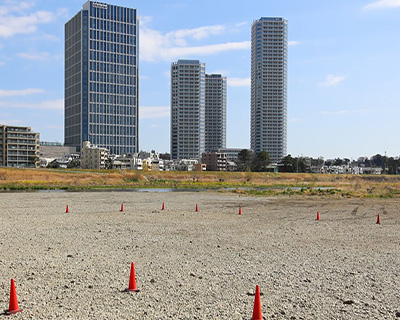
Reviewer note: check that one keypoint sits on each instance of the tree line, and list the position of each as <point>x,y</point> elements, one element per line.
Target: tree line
<point>248,161</point>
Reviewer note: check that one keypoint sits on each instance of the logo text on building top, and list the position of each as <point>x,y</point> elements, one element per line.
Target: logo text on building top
<point>99,5</point>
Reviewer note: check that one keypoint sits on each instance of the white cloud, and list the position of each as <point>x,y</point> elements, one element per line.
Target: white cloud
<point>44,105</point>
<point>2,63</point>
<point>383,4</point>
<point>18,93</point>
<point>240,24</point>
<point>155,45</point>
<point>157,126</point>
<point>344,112</point>
<point>197,33</point>
<point>38,56</point>
<point>143,77</point>
<point>183,52</point>
<point>10,122</point>
<point>46,37</point>
<point>239,82</point>
<point>53,126</point>
<point>50,105</point>
<point>332,80</point>
<point>14,20</point>
<point>293,43</point>
<point>223,72</point>
<point>153,112</point>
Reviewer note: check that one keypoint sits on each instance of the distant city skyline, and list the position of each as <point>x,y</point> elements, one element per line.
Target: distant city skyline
<point>343,80</point>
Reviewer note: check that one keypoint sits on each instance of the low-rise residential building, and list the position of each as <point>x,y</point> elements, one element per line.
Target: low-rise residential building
<point>128,162</point>
<point>94,157</point>
<point>19,147</point>
<point>215,161</point>
<point>183,165</point>
<point>55,151</point>
<point>232,153</point>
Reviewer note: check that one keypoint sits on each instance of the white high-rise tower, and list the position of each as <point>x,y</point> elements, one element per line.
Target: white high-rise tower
<point>269,73</point>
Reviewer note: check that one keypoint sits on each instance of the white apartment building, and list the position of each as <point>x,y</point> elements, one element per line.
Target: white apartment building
<point>187,109</point>
<point>269,73</point>
<point>198,110</point>
<point>215,112</point>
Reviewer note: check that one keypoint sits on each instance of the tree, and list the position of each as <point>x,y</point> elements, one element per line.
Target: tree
<point>54,164</point>
<point>261,162</point>
<point>378,161</point>
<point>392,165</point>
<point>286,164</point>
<point>74,163</point>
<point>108,163</point>
<point>301,165</point>
<point>244,160</point>
<point>338,162</point>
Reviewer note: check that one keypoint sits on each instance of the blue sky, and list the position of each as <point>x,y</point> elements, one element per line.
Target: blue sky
<point>344,68</point>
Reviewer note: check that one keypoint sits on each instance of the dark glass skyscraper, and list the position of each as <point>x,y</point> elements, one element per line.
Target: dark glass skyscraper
<point>269,66</point>
<point>102,78</point>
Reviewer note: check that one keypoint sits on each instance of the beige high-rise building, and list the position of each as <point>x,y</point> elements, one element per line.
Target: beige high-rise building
<point>19,147</point>
<point>94,157</point>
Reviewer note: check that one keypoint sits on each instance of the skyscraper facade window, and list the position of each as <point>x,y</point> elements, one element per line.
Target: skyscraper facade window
<point>269,72</point>
<point>187,109</point>
<point>215,112</point>
<point>101,78</point>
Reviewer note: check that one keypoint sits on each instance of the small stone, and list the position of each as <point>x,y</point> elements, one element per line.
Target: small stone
<point>152,281</point>
<point>397,314</point>
<point>348,302</point>
<point>192,274</point>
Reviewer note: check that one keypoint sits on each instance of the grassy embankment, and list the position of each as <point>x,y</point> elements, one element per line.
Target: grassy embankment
<point>243,182</point>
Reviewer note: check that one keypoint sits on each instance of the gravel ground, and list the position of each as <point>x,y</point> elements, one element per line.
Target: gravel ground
<point>199,265</point>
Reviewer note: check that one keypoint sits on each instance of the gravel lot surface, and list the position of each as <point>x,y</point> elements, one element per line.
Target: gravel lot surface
<point>199,265</point>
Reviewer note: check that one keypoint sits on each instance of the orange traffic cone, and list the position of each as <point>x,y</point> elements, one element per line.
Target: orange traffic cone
<point>67,210</point>
<point>317,215</point>
<point>13,306</point>
<point>378,220</point>
<point>240,209</point>
<point>197,208</point>
<point>163,206</point>
<point>132,280</point>
<point>257,313</point>
<point>122,207</point>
